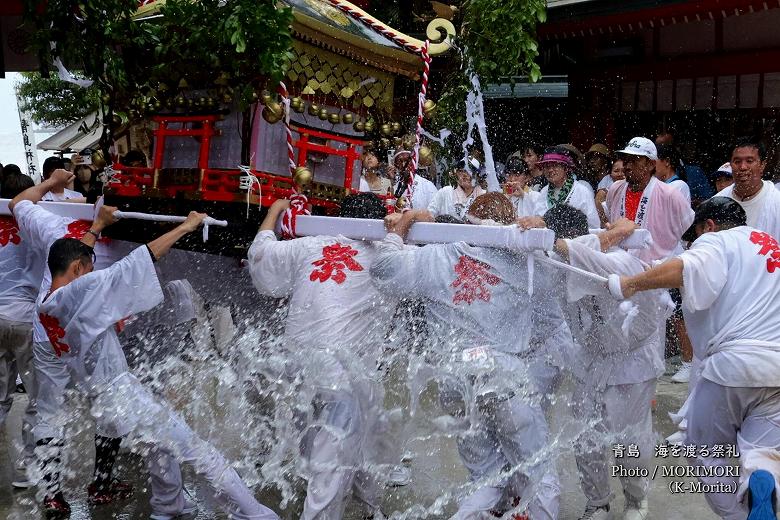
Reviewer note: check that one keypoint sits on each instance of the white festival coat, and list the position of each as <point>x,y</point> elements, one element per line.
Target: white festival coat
<point>731,306</point>
<point>767,217</point>
<point>79,318</point>
<point>477,296</point>
<point>630,359</point>
<point>333,303</point>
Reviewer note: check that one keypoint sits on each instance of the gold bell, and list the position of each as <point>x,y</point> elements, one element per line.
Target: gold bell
<point>359,126</point>
<point>369,126</point>
<point>385,129</point>
<point>265,97</point>
<point>425,156</point>
<point>347,118</point>
<point>314,109</point>
<point>334,118</point>
<point>401,202</point>
<point>273,112</point>
<point>395,127</point>
<point>408,141</point>
<point>323,114</point>
<point>98,161</point>
<point>429,107</point>
<point>302,176</point>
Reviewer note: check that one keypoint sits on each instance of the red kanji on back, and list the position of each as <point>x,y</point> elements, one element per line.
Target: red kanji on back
<point>9,232</point>
<point>470,284</point>
<point>55,333</point>
<point>335,258</point>
<point>769,246</point>
<point>77,229</point>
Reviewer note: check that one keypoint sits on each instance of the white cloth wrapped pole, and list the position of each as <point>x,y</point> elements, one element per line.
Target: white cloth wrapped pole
<point>208,221</point>
<point>504,237</point>
<point>627,307</point>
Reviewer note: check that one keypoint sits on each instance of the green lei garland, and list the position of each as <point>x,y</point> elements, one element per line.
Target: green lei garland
<point>563,193</point>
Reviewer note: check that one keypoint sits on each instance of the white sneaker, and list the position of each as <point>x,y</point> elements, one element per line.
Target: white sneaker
<point>400,476</point>
<point>596,513</point>
<point>23,482</point>
<point>636,511</point>
<point>684,374</point>
<point>189,508</point>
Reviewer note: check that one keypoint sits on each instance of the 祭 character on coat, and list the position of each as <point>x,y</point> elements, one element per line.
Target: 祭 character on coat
<point>497,345</point>
<point>729,282</point>
<point>334,331</point>
<point>79,314</point>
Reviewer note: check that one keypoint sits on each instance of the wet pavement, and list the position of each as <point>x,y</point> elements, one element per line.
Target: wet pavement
<point>430,469</point>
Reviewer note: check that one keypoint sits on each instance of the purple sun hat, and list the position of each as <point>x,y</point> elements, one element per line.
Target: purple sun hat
<point>556,156</point>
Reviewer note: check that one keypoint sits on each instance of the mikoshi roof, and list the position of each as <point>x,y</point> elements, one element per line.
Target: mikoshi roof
<point>349,31</point>
<point>342,51</point>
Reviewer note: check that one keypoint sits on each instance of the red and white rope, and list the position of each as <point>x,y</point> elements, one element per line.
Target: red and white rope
<point>287,127</point>
<point>376,25</point>
<point>298,201</point>
<point>426,57</point>
<point>390,34</point>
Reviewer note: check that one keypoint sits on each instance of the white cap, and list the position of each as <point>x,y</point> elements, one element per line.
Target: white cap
<point>726,167</point>
<point>641,146</point>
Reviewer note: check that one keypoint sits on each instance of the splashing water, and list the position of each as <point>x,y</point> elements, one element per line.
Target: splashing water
<point>475,117</point>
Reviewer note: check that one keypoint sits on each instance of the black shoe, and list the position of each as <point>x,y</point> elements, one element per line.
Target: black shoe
<point>56,507</point>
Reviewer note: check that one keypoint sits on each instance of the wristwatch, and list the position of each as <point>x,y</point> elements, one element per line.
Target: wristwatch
<point>94,234</point>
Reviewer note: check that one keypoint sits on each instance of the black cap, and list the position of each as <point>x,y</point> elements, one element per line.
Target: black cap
<point>722,210</point>
<point>515,165</point>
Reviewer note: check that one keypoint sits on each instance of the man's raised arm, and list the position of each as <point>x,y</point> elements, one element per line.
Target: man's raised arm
<point>59,179</point>
<point>160,246</point>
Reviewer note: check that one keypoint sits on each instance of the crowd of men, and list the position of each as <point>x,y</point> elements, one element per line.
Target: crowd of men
<point>504,332</point>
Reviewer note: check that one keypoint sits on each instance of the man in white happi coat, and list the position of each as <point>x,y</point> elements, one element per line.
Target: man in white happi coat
<point>38,229</point>
<point>79,316</point>
<point>335,331</point>
<point>729,280</point>
<point>491,346</point>
<point>621,361</point>
<point>652,204</point>
<point>759,198</point>
<point>455,201</point>
<point>20,278</point>
<point>526,201</point>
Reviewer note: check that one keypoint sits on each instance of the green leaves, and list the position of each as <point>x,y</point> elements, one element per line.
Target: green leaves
<point>53,102</point>
<point>499,36</point>
<point>193,43</point>
<point>497,39</point>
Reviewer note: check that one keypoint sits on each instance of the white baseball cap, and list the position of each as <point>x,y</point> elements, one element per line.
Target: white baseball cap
<point>641,146</point>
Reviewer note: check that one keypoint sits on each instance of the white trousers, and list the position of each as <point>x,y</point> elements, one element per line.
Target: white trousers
<point>336,453</point>
<point>621,414</point>
<point>504,434</point>
<point>53,381</point>
<point>127,408</point>
<point>16,355</point>
<point>746,417</point>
